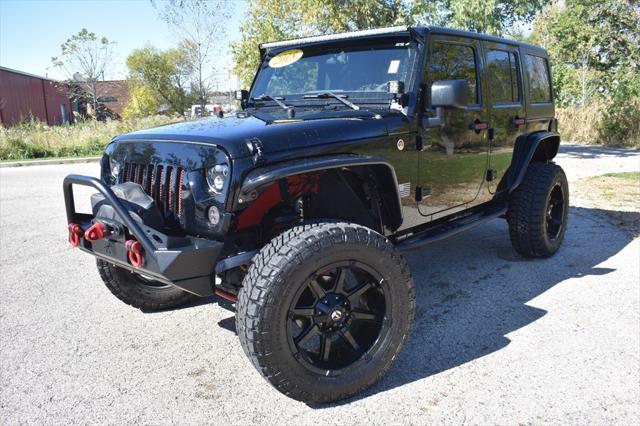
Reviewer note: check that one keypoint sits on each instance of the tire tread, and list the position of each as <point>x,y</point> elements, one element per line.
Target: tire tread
<point>263,281</point>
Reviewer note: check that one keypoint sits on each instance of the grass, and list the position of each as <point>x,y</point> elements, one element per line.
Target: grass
<point>624,175</point>
<point>33,139</point>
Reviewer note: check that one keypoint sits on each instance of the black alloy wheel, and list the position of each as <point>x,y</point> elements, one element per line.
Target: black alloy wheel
<point>337,318</point>
<point>555,212</point>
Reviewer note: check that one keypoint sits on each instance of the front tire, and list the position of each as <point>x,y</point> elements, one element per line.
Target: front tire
<point>538,211</point>
<point>134,290</point>
<point>325,309</point>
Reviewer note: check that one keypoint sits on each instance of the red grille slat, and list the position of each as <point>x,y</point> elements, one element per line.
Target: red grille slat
<point>152,182</point>
<point>180,183</point>
<point>140,179</point>
<point>132,173</point>
<point>172,189</point>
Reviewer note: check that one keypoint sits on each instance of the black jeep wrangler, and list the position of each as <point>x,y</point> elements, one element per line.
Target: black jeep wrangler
<point>350,148</point>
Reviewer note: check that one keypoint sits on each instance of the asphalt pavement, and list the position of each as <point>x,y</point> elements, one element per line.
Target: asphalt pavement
<point>497,338</point>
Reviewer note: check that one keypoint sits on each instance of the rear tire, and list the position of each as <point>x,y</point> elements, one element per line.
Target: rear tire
<point>325,309</point>
<point>134,290</point>
<point>538,211</point>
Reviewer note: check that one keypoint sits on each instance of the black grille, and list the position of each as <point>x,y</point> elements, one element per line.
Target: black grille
<point>161,182</point>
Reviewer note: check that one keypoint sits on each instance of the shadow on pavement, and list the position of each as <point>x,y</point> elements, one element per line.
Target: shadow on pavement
<point>473,289</point>
<point>591,151</point>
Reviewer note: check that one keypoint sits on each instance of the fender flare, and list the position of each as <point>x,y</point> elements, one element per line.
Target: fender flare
<point>384,171</point>
<point>531,147</point>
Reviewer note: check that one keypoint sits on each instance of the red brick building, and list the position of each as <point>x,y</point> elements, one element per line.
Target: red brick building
<point>113,95</point>
<point>24,95</point>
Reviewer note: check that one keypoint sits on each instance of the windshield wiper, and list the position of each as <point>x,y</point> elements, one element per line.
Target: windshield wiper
<point>277,99</point>
<point>341,98</point>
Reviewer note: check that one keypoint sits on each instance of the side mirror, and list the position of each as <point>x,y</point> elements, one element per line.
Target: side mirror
<point>242,95</point>
<point>446,94</point>
<point>449,93</point>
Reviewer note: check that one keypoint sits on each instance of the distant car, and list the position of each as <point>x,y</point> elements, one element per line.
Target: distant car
<point>350,148</point>
<point>210,110</point>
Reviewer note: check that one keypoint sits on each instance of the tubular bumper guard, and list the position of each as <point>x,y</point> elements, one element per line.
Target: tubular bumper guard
<point>188,263</point>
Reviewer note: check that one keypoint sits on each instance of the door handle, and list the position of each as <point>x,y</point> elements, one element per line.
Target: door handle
<point>519,121</point>
<point>478,125</point>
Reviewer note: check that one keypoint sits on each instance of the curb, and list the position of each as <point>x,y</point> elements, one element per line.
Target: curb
<point>26,163</point>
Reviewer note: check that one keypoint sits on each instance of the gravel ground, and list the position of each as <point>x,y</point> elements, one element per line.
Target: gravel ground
<point>497,339</point>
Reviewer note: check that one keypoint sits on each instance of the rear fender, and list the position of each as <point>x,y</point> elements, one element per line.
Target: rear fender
<point>530,148</point>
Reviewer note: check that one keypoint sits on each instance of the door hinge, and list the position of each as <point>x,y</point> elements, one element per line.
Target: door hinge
<point>422,192</point>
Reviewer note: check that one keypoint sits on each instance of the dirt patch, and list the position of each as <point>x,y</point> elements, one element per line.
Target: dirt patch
<point>617,195</point>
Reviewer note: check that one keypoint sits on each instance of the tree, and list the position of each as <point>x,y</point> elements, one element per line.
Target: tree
<point>200,26</point>
<point>86,56</point>
<point>164,74</point>
<point>143,102</point>
<point>267,20</point>
<point>594,45</point>
<point>491,16</point>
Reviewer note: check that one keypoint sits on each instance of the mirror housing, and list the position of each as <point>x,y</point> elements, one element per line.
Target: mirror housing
<point>449,93</point>
<point>242,95</point>
<point>446,94</point>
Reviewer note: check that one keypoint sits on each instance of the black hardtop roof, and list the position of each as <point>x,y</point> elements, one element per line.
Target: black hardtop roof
<point>399,30</point>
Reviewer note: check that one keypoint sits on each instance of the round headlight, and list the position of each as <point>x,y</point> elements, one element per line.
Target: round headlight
<point>115,168</point>
<point>217,176</point>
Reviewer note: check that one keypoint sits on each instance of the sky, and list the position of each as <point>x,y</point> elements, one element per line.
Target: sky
<point>31,32</point>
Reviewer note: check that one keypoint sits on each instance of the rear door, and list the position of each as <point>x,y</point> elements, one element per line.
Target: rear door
<point>453,162</point>
<point>504,90</point>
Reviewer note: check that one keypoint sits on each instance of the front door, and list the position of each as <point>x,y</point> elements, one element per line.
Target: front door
<point>453,163</point>
<point>503,79</point>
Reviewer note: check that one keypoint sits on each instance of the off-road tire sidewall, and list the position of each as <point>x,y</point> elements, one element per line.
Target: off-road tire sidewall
<point>527,211</point>
<point>132,290</point>
<point>274,279</point>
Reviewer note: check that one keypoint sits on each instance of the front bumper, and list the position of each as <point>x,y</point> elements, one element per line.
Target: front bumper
<point>186,262</point>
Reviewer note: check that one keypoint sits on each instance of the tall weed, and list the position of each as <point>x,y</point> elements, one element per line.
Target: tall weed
<point>34,139</point>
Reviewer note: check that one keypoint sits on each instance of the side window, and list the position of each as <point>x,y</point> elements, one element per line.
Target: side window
<point>537,73</point>
<point>504,85</point>
<point>452,62</point>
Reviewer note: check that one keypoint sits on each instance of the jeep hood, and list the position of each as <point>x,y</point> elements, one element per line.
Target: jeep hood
<point>233,133</point>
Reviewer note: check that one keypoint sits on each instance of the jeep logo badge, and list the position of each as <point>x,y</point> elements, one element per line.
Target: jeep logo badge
<point>400,144</point>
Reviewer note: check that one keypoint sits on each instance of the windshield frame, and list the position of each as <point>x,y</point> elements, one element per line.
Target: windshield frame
<point>380,99</point>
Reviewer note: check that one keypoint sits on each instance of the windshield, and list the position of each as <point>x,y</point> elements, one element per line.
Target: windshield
<point>357,72</point>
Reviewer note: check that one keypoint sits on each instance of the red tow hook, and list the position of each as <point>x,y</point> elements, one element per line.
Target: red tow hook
<point>74,234</point>
<point>97,231</point>
<point>134,250</point>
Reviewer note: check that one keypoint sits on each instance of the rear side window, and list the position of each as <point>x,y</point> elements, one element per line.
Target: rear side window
<point>504,85</point>
<point>453,62</point>
<point>537,72</point>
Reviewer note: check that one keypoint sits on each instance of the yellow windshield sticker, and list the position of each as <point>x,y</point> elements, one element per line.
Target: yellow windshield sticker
<point>285,58</point>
